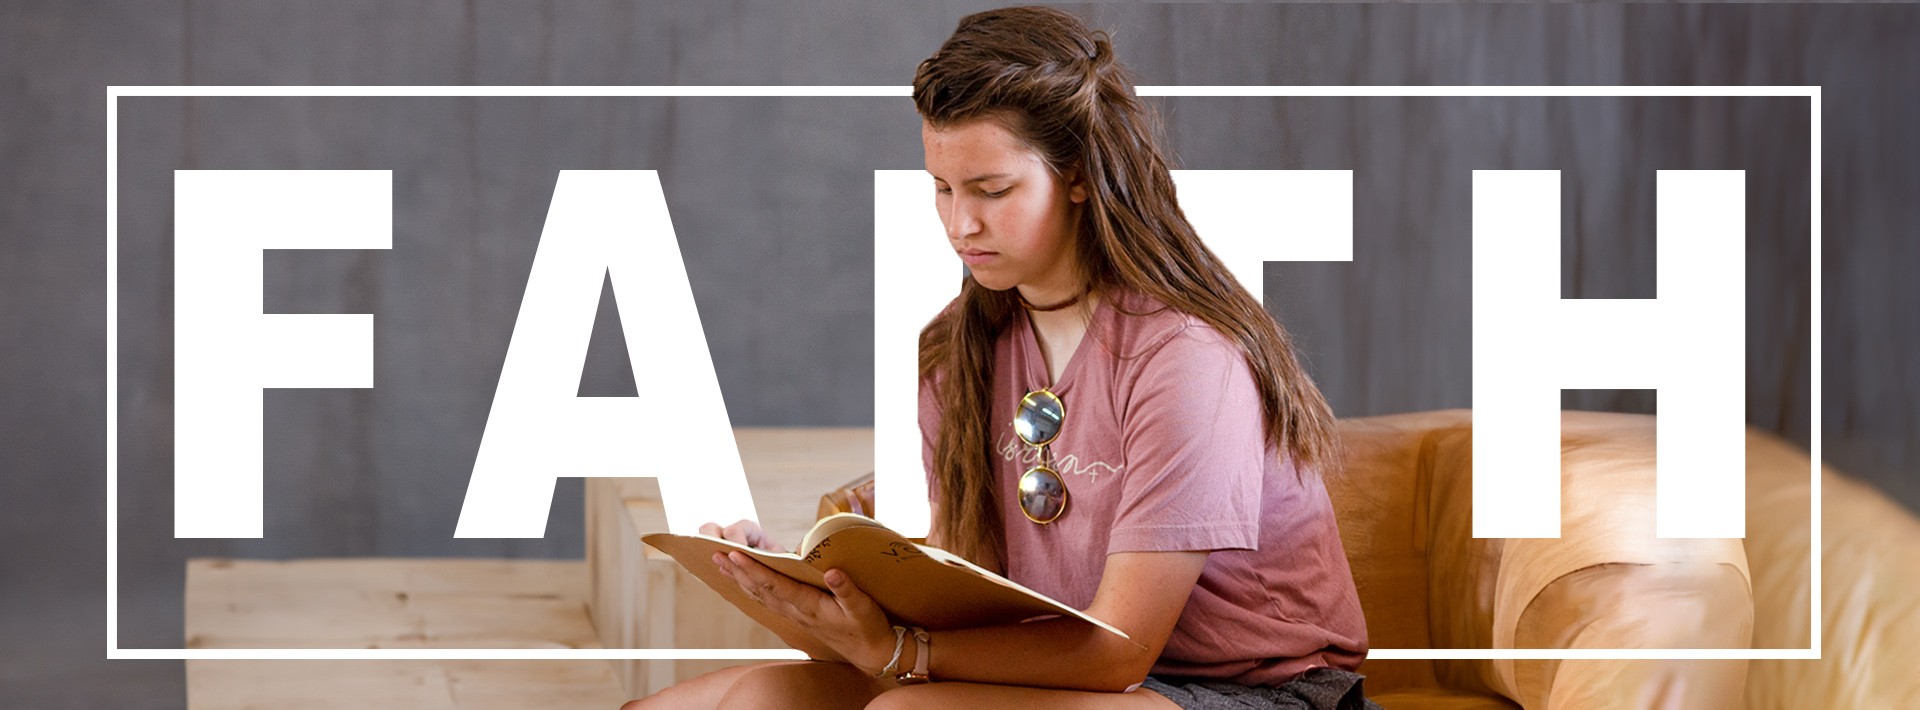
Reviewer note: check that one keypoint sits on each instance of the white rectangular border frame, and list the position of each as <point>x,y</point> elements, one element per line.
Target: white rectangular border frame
<point>1812,93</point>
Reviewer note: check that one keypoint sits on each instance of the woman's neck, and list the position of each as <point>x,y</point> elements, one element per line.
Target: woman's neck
<point>1059,333</point>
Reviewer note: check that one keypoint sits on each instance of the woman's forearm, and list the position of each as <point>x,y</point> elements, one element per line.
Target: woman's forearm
<point>1053,653</point>
<point>1142,593</point>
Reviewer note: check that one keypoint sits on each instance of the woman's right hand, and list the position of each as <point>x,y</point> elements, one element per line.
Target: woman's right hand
<point>745,532</point>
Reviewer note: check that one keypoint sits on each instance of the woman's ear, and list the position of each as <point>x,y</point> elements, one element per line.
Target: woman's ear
<point>1076,186</point>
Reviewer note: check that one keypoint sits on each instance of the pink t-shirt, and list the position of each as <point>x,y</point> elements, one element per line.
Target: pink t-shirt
<point>1163,449</point>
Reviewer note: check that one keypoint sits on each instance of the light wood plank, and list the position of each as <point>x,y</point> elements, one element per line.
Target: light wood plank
<point>393,603</point>
<point>387,603</point>
<point>402,685</point>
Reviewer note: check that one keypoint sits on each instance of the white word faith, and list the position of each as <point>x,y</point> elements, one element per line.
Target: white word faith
<point>1528,343</point>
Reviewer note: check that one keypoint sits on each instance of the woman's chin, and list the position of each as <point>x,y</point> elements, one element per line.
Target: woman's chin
<point>992,282</point>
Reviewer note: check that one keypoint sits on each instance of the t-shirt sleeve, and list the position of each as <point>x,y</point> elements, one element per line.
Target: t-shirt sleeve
<point>1195,450</point>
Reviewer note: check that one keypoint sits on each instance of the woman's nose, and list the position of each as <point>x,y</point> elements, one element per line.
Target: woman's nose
<point>962,221</point>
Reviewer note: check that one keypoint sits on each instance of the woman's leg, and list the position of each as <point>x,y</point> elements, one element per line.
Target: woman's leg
<point>702,691</point>
<point>822,685</point>
<point>778,684</point>
<point>973,696</point>
<point>812,685</point>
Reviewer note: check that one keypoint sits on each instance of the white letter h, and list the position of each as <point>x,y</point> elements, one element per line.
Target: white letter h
<point>1688,343</point>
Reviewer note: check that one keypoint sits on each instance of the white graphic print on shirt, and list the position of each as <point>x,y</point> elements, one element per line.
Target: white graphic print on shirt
<point>1013,449</point>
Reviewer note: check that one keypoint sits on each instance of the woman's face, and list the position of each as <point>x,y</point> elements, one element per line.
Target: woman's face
<point>1009,217</point>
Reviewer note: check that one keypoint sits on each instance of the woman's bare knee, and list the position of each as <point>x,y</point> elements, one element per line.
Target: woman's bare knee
<point>916,697</point>
<point>702,691</point>
<point>970,696</point>
<point>814,685</point>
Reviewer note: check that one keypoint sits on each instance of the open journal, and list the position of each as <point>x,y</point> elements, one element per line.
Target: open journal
<point>917,585</point>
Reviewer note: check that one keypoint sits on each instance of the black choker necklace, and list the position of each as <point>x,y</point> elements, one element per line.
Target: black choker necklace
<point>1024,303</point>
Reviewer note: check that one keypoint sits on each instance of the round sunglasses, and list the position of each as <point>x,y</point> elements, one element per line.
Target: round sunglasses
<point>1042,492</point>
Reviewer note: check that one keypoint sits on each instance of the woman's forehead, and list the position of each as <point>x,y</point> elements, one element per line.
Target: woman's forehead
<point>975,149</point>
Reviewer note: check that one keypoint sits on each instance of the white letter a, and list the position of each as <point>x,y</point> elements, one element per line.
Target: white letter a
<point>606,225</point>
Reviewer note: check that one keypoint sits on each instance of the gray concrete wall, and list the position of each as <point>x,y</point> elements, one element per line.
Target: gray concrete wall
<point>771,200</point>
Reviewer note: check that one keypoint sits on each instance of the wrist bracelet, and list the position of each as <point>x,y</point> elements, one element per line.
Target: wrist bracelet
<point>899,642</point>
<point>921,659</point>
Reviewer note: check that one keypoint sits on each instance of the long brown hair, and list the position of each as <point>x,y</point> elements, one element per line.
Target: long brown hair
<point>1057,86</point>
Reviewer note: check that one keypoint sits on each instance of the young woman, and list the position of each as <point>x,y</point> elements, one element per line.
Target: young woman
<point>1108,418</point>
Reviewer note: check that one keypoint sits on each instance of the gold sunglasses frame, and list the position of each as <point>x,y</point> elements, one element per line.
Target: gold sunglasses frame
<point>1029,403</point>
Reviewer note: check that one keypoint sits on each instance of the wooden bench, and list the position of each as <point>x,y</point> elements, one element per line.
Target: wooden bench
<point>626,595</point>
<point>393,603</point>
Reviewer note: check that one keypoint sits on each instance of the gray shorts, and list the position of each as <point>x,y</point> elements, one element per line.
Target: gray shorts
<point>1317,689</point>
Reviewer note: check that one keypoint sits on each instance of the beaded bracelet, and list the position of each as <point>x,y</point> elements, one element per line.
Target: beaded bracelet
<point>899,642</point>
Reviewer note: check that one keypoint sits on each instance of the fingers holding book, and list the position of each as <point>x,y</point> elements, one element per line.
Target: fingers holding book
<point>772,590</point>
<point>759,592</point>
<point>846,619</point>
<point>745,532</point>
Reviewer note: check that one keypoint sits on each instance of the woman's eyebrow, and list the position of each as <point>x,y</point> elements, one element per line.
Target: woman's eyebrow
<point>984,178</point>
<point>972,180</point>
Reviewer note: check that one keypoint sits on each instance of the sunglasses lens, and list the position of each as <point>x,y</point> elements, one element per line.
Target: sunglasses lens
<point>1039,418</point>
<point>1043,495</point>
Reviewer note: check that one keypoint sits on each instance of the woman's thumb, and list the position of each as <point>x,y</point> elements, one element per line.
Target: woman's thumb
<point>849,596</point>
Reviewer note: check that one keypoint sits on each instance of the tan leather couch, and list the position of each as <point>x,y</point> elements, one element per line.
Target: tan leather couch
<point>1870,595</point>
<point>1404,502</point>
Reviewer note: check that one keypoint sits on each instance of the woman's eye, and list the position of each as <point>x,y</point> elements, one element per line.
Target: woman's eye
<point>941,189</point>
<point>997,194</point>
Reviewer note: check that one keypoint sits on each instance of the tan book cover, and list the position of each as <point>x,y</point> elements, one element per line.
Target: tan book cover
<point>917,585</point>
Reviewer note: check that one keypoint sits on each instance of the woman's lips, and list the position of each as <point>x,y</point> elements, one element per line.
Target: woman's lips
<point>975,257</point>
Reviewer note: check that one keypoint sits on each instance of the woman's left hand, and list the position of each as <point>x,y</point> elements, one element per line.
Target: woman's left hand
<point>846,620</point>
